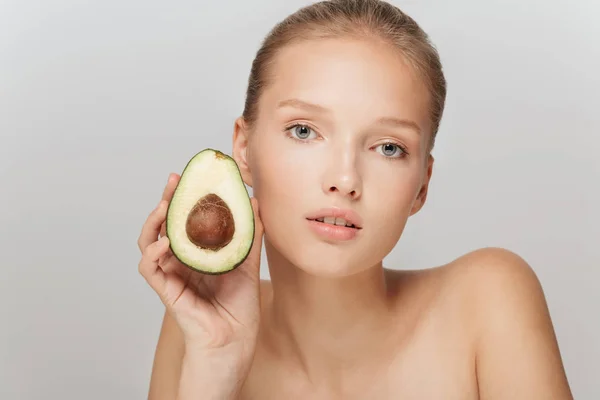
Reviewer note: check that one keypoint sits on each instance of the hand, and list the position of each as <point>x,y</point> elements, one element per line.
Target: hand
<point>213,311</point>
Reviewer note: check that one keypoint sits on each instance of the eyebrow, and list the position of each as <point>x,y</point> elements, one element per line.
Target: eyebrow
<point>400,123</point>
<point>296,103</point>
<point>389,121</point>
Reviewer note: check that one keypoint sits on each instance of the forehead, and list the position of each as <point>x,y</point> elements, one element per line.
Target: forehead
<point>362,78</point>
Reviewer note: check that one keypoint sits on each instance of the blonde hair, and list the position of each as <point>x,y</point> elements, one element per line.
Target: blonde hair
<point>362,19</point>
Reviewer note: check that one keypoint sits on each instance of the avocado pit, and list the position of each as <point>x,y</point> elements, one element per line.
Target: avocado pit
<point>210,224</point>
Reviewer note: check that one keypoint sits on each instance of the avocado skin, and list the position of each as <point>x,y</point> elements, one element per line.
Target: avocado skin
<point>252,238</point>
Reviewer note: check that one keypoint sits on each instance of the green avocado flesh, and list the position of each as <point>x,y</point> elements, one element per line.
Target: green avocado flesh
<point>210,222</point>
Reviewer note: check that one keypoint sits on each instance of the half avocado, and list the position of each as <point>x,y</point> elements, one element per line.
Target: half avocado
<point>210,221</point>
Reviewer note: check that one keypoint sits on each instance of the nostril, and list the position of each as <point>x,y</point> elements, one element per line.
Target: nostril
<point>352,193</point>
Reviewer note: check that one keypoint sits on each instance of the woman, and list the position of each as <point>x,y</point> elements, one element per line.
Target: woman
<point>343,105</point>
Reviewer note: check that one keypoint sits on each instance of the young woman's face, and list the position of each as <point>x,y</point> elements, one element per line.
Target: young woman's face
<point>344,125</point>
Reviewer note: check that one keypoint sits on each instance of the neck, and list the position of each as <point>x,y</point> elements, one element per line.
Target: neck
<point>327,325</point>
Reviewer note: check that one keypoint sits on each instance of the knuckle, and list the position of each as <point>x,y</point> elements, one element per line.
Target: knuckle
<point>146,251</point>
<point>159,207</point>
<point>153,214</point>
<point>155,218</point>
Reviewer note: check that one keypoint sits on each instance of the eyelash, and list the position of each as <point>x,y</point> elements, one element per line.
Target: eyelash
<point>401,147</point>
<point>290,135</point>
<point>304,141</point>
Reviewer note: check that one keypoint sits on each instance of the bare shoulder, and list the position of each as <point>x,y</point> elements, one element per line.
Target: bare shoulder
<point>493,260</point>
<point>496,277</point>
<point>517,354</point>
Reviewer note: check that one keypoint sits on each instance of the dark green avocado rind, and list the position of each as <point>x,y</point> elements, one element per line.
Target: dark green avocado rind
<point>233,267</point>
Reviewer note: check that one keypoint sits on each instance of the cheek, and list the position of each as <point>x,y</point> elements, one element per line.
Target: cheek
<point>394,192</point>
<point>390,198</point>
<point>277,176</point>
<point>280,183</point>
<point>284,170</point>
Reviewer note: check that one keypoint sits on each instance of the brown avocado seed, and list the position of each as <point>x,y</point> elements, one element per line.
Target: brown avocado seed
<point>210,223</point>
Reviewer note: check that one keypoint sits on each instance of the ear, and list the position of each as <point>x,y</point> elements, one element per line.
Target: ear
<point>240,149</point>
<point>422,195</point>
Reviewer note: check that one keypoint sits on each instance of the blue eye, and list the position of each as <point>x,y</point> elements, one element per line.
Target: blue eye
<point>301,132</point>
<point>391,150</point>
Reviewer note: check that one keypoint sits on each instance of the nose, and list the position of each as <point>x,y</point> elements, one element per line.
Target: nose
<point>342,177</point>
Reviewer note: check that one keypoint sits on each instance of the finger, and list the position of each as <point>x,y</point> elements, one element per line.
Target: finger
<point>170,187</point>
<point>148,266</point>
<point>167,195</point>
<point>163,230</point>
<point>171,265</point>
<point>151,228</point>
<point>165,260</point>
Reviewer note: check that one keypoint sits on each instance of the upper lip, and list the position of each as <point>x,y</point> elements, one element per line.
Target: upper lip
<point>351,216</point>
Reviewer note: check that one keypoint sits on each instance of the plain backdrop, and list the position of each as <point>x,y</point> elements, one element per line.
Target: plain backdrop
<point>101,99</point>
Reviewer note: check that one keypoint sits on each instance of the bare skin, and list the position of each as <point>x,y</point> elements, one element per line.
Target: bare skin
<point>443,351</point>
<point>333,323</point>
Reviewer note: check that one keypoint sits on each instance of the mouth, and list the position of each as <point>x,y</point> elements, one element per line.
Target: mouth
<point>335,221</point>
<point>336,217</point>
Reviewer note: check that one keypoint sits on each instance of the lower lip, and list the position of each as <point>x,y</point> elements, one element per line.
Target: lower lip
<point>333,232</point>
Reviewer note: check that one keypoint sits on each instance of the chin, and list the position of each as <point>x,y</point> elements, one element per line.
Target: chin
<point>327,261</point>
<point>299,248</point>
<point>322,269</point>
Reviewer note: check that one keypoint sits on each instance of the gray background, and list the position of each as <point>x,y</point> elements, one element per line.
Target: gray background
<point>100,100</point>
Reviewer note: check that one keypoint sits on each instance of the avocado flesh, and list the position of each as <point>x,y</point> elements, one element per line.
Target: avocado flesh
<point>211,181</point>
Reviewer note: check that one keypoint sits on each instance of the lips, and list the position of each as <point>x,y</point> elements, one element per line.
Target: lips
<point>335,221</point>
<point>337,217</point>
